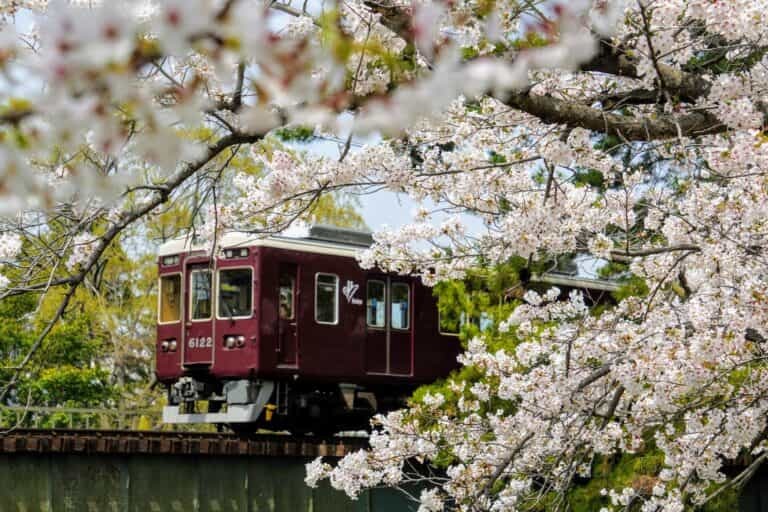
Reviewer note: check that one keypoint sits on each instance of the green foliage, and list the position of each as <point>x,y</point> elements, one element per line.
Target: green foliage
<point>70,343</point>
<point>295,133</point>
<point>465,306</point>
<point>497,158</point>
<point>71,386</point>
<point>632,286</point>
<point>483,294</point>
<point>589,177</point>
<point>608,143</point>
<point>727,501</point>
<point>76,363</point>
<point>530,40</point>
<point>612,269</point>
<point>337,210</point>
<point>638,471</point>
<point>716,61</point>
<point>473,106</point>
<point>469,52</point>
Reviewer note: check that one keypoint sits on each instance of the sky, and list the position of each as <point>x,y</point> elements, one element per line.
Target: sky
<point>379,210</point>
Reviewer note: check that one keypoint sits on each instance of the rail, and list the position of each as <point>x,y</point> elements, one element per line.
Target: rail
<point>124,442</point>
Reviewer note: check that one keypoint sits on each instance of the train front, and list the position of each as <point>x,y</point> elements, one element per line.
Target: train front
<point>207,332</point>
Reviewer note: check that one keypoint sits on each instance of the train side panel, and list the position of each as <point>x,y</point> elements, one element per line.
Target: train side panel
<point>347,347</point>
<point>325,350</point>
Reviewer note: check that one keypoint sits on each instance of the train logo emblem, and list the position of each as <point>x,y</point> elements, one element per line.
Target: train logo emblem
<point>349,291</point>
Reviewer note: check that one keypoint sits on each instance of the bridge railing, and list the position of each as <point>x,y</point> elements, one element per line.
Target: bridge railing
<point>84,418</point>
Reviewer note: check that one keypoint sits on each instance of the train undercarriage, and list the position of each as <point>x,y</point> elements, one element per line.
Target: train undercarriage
<point>245,405</point>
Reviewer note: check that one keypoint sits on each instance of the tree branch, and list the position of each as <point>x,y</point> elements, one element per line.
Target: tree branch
<point>645,128</point>
<point>504,464</point>
<point>656,250</point>
<point>594,376</point>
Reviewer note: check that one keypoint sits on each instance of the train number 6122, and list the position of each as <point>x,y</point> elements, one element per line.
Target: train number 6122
<point>200,342</point>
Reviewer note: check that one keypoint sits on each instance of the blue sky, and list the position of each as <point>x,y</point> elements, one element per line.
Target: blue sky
<point>381,209</point>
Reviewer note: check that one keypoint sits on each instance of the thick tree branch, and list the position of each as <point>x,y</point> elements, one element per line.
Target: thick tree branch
<point>655,250</point>
<point>613,405</point>
<point>396,18</point>
<point>650,127</point>
<point>504,464</point>
<point>594,376</point>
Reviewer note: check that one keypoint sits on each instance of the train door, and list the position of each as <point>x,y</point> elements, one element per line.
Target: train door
<point>376,357</point>
<point>389,344</point>
<point>400,339</point>
<point>287,335</point>
<point>198,339</point>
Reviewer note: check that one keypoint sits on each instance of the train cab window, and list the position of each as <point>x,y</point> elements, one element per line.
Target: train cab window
<point>327,299</point>
<point>235,292</point>
<point>170,298</point>
<point>286,297</point>
<point>200,300</point>
<point>376,305</point>
<point>400,305</point>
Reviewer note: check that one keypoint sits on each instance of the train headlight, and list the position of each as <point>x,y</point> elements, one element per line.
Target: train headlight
<point>229,341</point>
<point>172,345</point>
<point>241,341</point>
<point>235,253</point>
<point>164,346</point>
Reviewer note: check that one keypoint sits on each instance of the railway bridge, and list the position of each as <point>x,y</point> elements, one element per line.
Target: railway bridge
<point>52,470</point>
<point>118,467</point>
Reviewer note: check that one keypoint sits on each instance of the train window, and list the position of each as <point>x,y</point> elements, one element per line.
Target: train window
<point>170,298</point>
<point>201,295</point>
<point>327,299</point>
<point>400,303</point>
<point>235,292</point>
<point>376,307</point>
<point>485,321</point>
<point>286,296</point>
<point>450,324</point>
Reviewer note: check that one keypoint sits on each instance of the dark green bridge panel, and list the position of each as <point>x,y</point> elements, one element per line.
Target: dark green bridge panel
<point>151,483</point>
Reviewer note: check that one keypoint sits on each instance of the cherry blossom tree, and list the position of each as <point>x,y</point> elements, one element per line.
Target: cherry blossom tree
<point>632,131</point>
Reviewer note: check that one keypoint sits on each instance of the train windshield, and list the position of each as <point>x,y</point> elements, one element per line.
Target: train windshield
<point>170,298</point>
<point>235,292</point>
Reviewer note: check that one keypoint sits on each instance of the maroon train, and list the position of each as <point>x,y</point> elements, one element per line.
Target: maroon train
<point>287,333</point>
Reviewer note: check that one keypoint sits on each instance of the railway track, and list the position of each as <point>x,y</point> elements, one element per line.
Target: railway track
<point>109,442</point>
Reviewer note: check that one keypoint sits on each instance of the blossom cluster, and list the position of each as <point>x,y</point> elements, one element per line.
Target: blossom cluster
<point>682,360</point>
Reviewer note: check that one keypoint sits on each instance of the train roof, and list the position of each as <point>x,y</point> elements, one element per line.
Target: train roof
<point>347,242</point>
<point>575,281</point>
<point>348,246</point>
